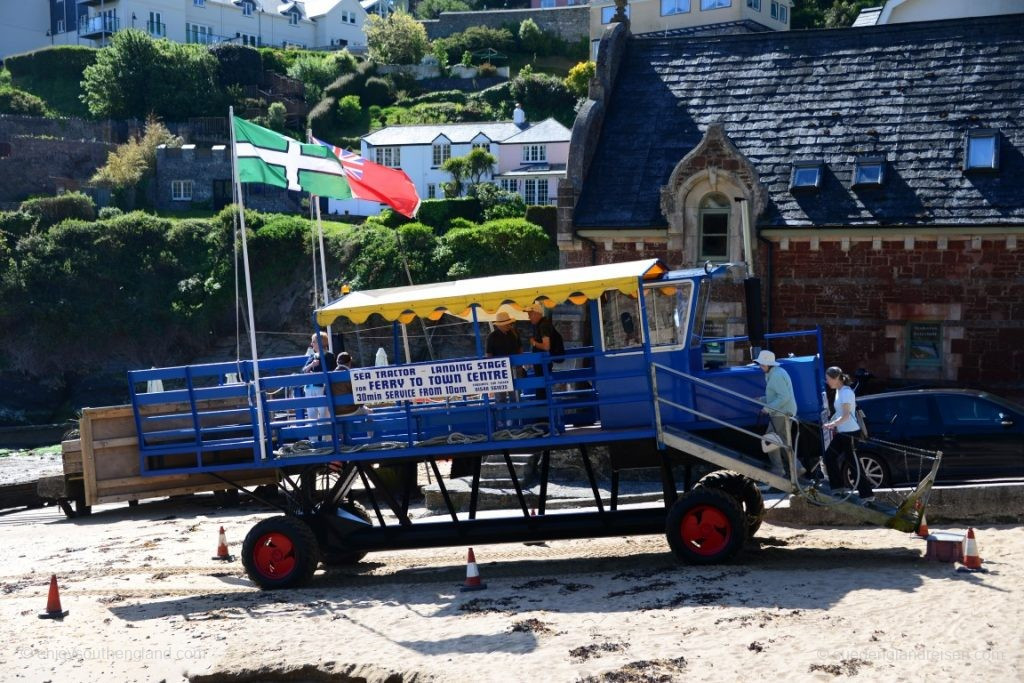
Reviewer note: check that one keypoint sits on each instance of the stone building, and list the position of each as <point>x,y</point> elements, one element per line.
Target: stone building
<point>879,169</point>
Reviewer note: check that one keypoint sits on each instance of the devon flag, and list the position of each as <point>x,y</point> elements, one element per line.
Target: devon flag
<point>264,156</point>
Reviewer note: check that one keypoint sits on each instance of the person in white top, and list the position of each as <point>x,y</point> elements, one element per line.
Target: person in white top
<point>840,455</point>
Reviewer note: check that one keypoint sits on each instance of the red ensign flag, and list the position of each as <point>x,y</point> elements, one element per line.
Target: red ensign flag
<point>378,183</point>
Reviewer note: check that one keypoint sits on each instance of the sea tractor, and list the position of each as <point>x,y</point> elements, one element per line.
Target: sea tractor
<point>639,384</point>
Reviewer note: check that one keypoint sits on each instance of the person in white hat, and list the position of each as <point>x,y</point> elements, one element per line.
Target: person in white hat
<point>780,404</point>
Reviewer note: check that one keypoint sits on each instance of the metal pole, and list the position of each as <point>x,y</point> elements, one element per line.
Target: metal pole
<point>248,287</point>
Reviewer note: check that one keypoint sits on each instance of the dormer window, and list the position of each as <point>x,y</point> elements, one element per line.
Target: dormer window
<point>806,175</point>
<point>247,8</point>
<point>293,18</point>
<point>441,152</point>
<point>981,150</point>
<point>869,172</point>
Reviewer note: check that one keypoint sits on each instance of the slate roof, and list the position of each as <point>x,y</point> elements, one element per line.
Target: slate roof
<point>548,130</point>
<point>906,91</point>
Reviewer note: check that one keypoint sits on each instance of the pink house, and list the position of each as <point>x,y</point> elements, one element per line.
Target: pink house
<point>531,161</point>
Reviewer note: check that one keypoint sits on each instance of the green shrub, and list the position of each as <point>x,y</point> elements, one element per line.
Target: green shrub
<point>17,224</point>
<point>349,110</point>
<point>108,212</point>
<point>53,74</point>
<point>546,217</point>
<point>14,101</point>
<point>50,211</point>
<point>543,96</point>
<point>475,39</point>
<point>496,203</point>
<point>511,245</point>
<point>439,213</point>
<point>453,96</point>
<point>237,64</point>
<point>377,92</point>
<point>274,60</point>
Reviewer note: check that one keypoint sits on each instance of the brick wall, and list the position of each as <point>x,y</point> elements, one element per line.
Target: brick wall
<point>865,293</point>
<point>569,23</point>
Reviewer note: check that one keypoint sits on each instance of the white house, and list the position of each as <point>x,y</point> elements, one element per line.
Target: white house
<point>904,11</point>
<point>530,157</point>
<point>308,24</point>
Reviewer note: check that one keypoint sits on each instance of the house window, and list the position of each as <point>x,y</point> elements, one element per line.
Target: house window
<point>181,190</point>
<point>509,184</point>
<point>293,19</point>
<point>608,12</point>
<point>60,26</point>
<point>199,3</point>
<point>547,3</point>
<point>155,27</point>
<point>754,5</point>
<point>431,191</point>
<point>869,171</point>
<point>246,39</point>
<point>982,150</point>
<point>674,7</point>
<point>775,10</point>
<point>783,14</point>
<point>388,156</point>
<point>196,33</point>
<point>714,228</point>
<point>806,176</point>
<point>536,191</point>
<point>534,153</point>
<point>246,9</point>
<point>924,345</point>
<point>714,4</point>
<point>442,153</point>
<point>485,146</point>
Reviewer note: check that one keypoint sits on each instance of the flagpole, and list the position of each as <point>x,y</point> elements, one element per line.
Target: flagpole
<point>248,287</point>
<point>323,259</point>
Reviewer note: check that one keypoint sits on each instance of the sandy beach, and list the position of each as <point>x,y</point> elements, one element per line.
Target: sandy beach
<point>147,602</point>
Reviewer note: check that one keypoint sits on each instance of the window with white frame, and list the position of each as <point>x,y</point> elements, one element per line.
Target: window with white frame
<point>181,190</point>
<point>806,175</point>
<point>485,146</point>
<point>534,153</point>
<point>536,191</point>
<point>869,171</point>
<point>442,152</point>
<point>388,156</point>
<point>246,39</point>
<point>197,33</point>
<point>669,7</point>
<point>509,184</point>
<point>247,8</point>
<point>60,26</point>
<point>293,19</point>
<point>199,3</point>
<point>776,12</point>
<point>783,14</point>
<point>714,4</point>
<point>431,191</point>
<point>981,151</point>
<point>754,5</point>
<point>714,228</point>
<point>547,3</point>
<point>608,12</point>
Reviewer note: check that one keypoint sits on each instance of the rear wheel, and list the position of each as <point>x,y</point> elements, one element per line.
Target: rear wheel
<point>872,467</point>
<point>706,526</point>
<point>338,556</point>
<point>745,492</point>
<point>280,552</point>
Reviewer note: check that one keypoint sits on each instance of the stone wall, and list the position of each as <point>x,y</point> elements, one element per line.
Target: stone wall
<point>67,129</point>
<point>209,168</point>
<point>46,166</point>
<point>568,23</point>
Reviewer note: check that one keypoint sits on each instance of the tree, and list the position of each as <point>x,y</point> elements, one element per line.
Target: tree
<point>459,168</point>
<point>578,80</point>
<point>479,162</point>
<point>396,39</point>
<point>431,9</point>
<point>128,164</point>
<point>843,12</point>
<point>277,116</point>
<point>530,36</point>
<point>496,203</point>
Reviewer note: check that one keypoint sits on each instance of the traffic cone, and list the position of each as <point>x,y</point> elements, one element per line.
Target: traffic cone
<point>222,548</point>
<point>473,582</point>
<point>922,528</point>
<point>53,610</point>
<point>971,561</point>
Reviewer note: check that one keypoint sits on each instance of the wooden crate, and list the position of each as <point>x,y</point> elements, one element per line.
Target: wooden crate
<point>106,457</point>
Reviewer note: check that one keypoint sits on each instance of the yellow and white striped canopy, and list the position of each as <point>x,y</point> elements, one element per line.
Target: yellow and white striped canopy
<point>517,291</point>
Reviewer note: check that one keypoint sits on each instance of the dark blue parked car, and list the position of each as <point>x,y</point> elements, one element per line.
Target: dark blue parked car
<point>981,436</point>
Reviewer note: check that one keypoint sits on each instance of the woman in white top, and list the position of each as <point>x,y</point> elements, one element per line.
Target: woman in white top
<point>840,454</point>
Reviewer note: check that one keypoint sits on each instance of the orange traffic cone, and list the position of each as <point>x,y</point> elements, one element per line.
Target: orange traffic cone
<point>922,528</point>
<point>473,582</point>
<point>53,610</point>
<point>222,548</point>
<point>971,561</point>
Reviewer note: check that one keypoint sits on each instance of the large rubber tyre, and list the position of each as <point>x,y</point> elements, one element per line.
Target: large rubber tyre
<point>744,490</point>
<point>334,556</point>
<point>871,466</point>
<point>280,552</point>
<point>706,526</point>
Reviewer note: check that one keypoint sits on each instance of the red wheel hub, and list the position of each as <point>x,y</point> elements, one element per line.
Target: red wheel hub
<point>705,529</point>
<point>274,555</point>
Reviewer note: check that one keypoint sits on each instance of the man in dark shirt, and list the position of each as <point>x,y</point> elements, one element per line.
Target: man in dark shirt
<point>503,341</point>
<point>543,331</point>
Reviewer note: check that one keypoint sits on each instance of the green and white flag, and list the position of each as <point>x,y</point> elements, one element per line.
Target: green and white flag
<point>264,156</point>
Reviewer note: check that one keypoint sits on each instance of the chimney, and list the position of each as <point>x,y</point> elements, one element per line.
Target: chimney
<point>519,116</point>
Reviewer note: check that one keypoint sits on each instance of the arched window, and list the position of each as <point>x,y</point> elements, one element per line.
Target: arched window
<point>714,228</point>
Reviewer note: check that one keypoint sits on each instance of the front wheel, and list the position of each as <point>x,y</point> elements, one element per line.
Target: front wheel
<point>706,526</point>
<point>871,467</point>
<point>280,552</point>
<point>745,492</point>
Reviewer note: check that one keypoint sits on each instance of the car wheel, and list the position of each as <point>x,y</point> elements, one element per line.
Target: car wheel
<point>872,467</point>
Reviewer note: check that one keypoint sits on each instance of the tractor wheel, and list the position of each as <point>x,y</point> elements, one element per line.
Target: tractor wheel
<point>706,526</point>
<point>333,555</point>
<point>744,490</point>
<point>280,552</point>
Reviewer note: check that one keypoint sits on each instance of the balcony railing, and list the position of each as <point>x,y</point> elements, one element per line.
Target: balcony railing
<point>97,25</point>
<point>156,29</point>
